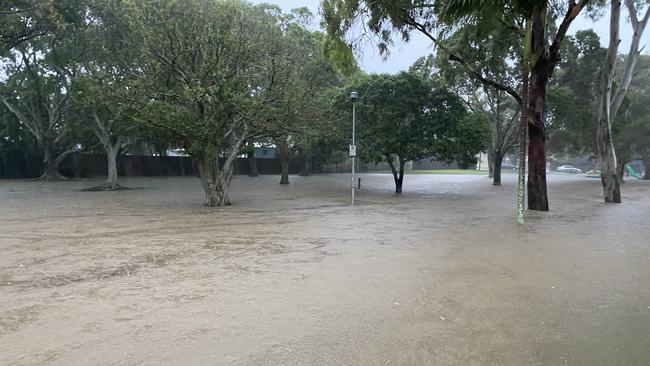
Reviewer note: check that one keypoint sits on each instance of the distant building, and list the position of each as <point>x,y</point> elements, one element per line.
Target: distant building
<point>177,152</point>
<point>264,152</point>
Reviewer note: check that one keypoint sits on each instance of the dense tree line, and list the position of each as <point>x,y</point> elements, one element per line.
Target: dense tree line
<point>217,77</point>
<point>484,43</point>
<point>212,77</point>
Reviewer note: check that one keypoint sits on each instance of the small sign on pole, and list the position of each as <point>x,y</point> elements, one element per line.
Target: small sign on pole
<point>353,151</point>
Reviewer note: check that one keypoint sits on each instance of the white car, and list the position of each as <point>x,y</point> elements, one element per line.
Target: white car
<point>568,169</point>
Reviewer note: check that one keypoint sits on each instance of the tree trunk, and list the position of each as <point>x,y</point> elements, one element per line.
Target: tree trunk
<point>606,151</point>
<point>537,195</point>
<point>498,160</point>
<point>523,126</point>
<point>398,187</point>
<point>252,163</point>
<point>490,163</point>
<point>620,174</point>
<point>111,158</point>
<point>284,153</point>
<point>304,164</point>
<point>50,165</point>
<point>608,167</point>
<point>398,176</point>
<point>284,170</point>
<point>252,166</point>
<point>215,180</point>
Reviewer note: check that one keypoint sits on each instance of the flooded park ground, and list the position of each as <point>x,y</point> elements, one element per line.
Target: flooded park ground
<point>292,275</point>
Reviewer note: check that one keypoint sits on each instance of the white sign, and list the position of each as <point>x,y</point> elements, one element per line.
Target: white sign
<point>353,151</point>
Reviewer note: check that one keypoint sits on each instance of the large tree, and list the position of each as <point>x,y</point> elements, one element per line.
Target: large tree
<point>41,74</point>
<point>103,87</point>
<point>611,98</point>
<point>407,117</point>
<point>384,18</point>
<point>200,79</point>
<point>39,46</point>
<point>292,89</point>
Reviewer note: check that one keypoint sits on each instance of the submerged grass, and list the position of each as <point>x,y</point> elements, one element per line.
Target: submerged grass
<point>440,171</point>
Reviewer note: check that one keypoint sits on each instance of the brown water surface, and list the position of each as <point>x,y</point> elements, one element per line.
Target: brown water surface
<point>292,275</point>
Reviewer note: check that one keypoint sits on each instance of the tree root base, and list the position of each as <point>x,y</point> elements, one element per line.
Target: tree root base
<point>106,187</point>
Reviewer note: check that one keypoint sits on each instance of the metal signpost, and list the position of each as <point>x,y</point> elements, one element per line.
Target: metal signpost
<point>353,148</point>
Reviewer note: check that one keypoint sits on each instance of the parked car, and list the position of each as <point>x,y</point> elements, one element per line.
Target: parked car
<point>508,166</point>
<point>568,169</point>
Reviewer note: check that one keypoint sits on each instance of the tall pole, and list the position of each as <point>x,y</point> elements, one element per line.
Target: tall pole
<point>354,157</point>
<point>353,148</point>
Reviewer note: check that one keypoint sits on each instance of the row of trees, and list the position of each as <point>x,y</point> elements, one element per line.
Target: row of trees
<point>212,78</point>
<point>485,40</point>
<point>217,77</point>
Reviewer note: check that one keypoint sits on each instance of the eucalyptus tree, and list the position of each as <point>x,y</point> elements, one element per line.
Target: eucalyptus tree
<point>202,61</point>
<point>631,128</point>
<point>386,18</point>
<point>611,98</point>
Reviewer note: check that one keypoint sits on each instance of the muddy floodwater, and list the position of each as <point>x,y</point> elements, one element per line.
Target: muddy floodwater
<point>292,275</point>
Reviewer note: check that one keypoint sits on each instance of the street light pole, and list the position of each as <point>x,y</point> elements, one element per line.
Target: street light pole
<point>353,148</point>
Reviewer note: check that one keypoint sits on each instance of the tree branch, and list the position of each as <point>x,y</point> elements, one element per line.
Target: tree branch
<point>632,56</point>
<point>572,12</point>
<point>469,68</point>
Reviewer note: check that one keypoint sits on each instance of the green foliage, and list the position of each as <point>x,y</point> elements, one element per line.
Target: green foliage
<point>409,117</point>
<point>19,154</point>
<point>494,51</point>
<point>631,127</point>
<point>23,21</point>
<point>572,96</point>
<point>40,73</point>
<point>202,67</point>
<point>473,136</point>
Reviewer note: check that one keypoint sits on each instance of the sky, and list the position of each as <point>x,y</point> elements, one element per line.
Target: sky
<point>403,55</point>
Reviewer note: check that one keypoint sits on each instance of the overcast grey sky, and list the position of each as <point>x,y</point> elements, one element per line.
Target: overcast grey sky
<point>403,55</point>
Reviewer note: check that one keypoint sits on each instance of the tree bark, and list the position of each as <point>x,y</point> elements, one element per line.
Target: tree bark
<point>112,151</point>
<point>252,166</point>
<point>606,150</point>
<point>498,160</point>
<point>490,156</point>
<point>284,170</point>
<point>398,175</point>
<point>284,153</point>
<point>51,162</point>
<point>539,75</point>
<point>608,105</point>
<point>214,180</point>
<point>304,164</point>
<point>523,128</point>
<point>252,163</point>
<point>620,174</point>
